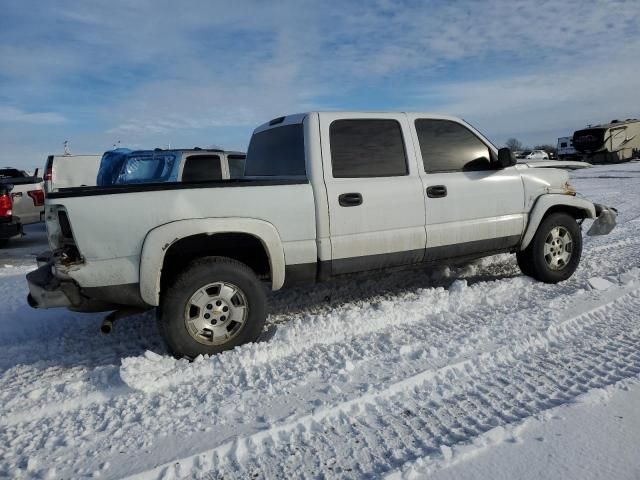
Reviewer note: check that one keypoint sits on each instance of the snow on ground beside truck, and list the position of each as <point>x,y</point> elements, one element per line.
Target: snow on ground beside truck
<point>397,374</point>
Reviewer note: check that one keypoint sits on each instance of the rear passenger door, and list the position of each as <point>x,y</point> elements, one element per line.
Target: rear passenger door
<point>375,195</point>
<point>471,206</point>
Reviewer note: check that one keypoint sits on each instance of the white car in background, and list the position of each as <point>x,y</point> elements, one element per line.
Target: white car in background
<point>537,155</point>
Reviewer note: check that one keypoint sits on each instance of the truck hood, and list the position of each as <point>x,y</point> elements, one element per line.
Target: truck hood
<point>564,164</point>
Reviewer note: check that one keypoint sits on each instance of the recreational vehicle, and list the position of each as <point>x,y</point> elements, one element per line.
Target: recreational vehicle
<point>618,141</point>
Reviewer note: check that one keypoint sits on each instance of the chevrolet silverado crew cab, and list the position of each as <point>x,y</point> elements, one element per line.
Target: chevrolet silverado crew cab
<point>324,194</point>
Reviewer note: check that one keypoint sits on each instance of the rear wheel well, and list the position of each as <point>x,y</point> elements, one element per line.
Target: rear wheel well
<point>242,247</point>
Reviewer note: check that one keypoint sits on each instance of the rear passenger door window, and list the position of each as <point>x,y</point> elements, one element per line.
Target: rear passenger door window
<point>367,148</point>
<point>448,146</point>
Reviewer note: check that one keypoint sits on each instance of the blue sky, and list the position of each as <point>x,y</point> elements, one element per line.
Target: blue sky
<point>158,73</point>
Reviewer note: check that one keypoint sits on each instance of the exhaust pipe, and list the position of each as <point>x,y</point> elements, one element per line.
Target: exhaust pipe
<point>107,323</point>
<point>109,320</point>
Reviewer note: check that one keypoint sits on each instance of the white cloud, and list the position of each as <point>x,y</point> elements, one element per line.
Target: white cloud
<point>139,72</point>
<point>15,115</point>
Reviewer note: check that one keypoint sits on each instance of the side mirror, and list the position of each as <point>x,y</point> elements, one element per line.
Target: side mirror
<point>505,158</point>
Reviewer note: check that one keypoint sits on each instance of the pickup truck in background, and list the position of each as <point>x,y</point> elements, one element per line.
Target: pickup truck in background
<point>324,194</point>
<point>21,202</point>
<point>67,171</point>
<point>124,166</point>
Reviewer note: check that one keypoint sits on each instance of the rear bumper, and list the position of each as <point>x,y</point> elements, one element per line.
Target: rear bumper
<point>10,229</point>
<point>48,291</point>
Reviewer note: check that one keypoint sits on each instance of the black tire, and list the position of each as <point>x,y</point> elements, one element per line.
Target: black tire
<point>532,260</point>
<point>524,262</point>
<point>172,312</point>
<point>3,242</point>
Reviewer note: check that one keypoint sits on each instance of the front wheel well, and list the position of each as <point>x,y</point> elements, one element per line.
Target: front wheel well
<point>575,212</point>
<point>242,247</point>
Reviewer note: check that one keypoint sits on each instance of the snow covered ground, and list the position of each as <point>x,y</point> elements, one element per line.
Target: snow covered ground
<point>472,372</point>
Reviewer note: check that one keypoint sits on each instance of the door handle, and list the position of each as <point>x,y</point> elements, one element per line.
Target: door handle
<point>437,191</point>
<point>350,199</point>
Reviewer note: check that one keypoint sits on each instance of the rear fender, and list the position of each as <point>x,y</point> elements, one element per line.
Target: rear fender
<point>551,200</point>
<point>158,241</point>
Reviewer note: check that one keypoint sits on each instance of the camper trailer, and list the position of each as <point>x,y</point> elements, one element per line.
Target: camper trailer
<point>615,142</point>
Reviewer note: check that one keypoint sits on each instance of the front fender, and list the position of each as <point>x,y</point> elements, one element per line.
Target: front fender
<point>542,206</point>
<point>158,241</point>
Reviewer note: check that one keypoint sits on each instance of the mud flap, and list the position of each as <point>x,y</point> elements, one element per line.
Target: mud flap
<point>605,222</point>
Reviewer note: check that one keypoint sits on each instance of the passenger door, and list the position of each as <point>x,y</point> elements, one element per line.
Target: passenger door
<point>375,195</point>
<point>471,206</point>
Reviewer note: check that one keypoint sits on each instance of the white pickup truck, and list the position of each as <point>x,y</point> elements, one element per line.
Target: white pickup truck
<point>21,202</point>
<point>324,194</point>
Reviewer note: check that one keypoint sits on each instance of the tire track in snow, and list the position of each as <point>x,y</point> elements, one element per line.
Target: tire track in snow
<point>453,404</point>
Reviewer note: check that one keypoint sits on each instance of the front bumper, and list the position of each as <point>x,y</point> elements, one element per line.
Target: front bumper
<point>605,220</point>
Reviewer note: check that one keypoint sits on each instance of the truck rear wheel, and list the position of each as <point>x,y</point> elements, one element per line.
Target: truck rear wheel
<point>216,304</point>
<point>554,253</point>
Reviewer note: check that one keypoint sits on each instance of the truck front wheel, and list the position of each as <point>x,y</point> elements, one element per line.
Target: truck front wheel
<point>216,304</point>
<point>554,253</point>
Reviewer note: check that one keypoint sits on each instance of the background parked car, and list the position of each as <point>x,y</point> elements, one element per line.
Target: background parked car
<point>537,155</point>
<point>124,166</point>
<point>21,202</point>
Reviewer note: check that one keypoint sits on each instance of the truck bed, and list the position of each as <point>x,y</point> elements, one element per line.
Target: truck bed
<point>109,224</point>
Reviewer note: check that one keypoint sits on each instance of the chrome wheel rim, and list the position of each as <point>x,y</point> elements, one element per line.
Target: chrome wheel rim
<point>558,248</point>
<point>216,313</point>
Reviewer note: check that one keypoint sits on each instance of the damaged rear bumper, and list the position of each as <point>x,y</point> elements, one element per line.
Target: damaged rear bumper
<point>48,291</point>
<point>605,220</point>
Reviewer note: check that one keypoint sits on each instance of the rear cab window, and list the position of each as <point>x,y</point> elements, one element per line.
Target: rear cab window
<point>277,151</point>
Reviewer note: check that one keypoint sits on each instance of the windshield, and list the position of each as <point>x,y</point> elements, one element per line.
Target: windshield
<point>146,168</point>
<point>589,139</point>
<point>122,166</point>
<point>277,151</point>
